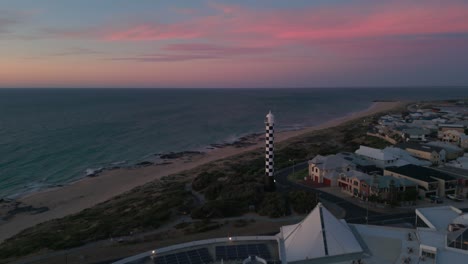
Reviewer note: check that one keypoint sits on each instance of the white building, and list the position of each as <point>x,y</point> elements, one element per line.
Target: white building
<point>441,236</point>
<point>379,157</point>
<point>326,169</point>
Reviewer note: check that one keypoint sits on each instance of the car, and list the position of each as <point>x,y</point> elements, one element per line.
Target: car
<point>435,199</point>
<point>458,198</point>
<point>451,196</point>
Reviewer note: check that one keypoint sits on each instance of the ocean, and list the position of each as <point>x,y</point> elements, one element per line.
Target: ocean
<point>50,137</point>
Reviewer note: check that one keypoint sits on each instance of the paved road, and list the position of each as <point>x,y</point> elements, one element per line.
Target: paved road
<point>354,214</point>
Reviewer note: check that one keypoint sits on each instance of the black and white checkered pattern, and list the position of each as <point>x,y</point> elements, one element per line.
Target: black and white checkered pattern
<point>269,150</point>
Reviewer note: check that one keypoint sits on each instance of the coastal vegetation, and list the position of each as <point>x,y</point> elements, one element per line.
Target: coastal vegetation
<point>231,187</point>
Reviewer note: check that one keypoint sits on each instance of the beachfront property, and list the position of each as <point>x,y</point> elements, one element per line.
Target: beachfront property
<point>389,157</point>
<point>430,182</point>
<point>355,183</point>
<point>378,157</point>
<point>436,155</point>
<point>326,169</point>
<point>440,236</point>
<point>362,185</point>
<point>361,163</point>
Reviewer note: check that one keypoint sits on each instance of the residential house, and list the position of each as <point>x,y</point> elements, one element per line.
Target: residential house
<point>362,185</point>
<point>415,134</point>
<point>451,151</point>
<point>385,186</point>
<point>405,158</point>
<point>451,136</point>
<point>326,169</point>
<point>445,127</point>
<point>378,157</point>
<point>435,155</point>
<point>429,181</point>
<point>354,183</point>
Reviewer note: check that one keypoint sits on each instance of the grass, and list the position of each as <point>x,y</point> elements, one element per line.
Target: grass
<point>230,185</point>
<point>299,175</point>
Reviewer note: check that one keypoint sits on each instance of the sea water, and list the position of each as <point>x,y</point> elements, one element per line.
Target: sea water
<point>50,137</point>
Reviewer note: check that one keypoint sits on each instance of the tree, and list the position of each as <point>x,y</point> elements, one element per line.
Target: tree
<point>409,195</point>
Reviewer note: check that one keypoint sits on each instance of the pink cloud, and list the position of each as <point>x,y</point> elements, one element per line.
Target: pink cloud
<point>246,27</point>
<point>333,22</point>
<point>195,51</point>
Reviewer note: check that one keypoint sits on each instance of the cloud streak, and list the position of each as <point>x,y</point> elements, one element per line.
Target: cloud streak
<point>196,51</point>
<point>328,23</point>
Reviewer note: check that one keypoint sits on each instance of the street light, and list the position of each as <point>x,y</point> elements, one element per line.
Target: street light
<point>294,165</point>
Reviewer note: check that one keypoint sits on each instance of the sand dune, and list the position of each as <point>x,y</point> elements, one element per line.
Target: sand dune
<point>91,191</point>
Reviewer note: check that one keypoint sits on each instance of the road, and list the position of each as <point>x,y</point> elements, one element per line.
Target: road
<point>354,214</point>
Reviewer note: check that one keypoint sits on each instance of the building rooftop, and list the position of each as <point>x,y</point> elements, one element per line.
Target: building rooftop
<point>415,131</point>
<point>438,217</point>
<point>416,146</point>
<point>385,181</point>
<point>452,125</point>
<point>421,173</point>
<point>443,145</point>
<point>330,162</point>
<point>375,153</point>
<point>319,235</point>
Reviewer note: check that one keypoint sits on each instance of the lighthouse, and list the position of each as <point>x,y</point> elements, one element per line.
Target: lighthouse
<point>269,152</point>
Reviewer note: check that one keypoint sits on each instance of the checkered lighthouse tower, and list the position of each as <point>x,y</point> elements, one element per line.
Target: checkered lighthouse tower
<point>269,152</point>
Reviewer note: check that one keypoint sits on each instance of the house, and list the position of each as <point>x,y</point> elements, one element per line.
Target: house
<point>354,183</point>
<point>415,134</point>
<point>404,157</point>
<point>451,151</point>
<point>430,182</point>
<point>378,157</point>
<point>362,164</point>
<point>434,154</point>
<point>451,136</point>
<point>384,186</point>
<point>362,185</point>
<point>326,169</point>
<point>445,127</point>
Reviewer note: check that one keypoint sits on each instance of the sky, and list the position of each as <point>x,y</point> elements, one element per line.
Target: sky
<point>242,43</point>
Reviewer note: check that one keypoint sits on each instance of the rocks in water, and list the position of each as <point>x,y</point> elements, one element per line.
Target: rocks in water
<point>144,163</point>
<point>8,209</point>
<point>93,172</point>
<point>176,155</point>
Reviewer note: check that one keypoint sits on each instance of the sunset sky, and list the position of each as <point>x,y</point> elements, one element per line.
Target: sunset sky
<point>257,43</point>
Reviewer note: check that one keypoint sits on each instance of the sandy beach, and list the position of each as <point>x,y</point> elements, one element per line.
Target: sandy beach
<point>93,190</point>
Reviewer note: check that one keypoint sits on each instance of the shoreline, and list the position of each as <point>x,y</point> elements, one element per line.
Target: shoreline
<point>89,191</point>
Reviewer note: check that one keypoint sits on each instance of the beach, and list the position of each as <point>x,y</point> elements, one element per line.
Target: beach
<point>89,191</point>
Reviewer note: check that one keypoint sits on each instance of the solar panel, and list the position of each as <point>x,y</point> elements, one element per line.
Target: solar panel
<point>197,256</point>
<point>240,252</point>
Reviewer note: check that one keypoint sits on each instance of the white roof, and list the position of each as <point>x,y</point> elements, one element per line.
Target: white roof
<point>404,155</point>
<point>375,153</point>
<point>330,162</point>
<point>444,145</point>
<point>439,217</point>
<point>320,234</point>
<point>431,238</point>
<point>461,162</point>
<point>357,174</point>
